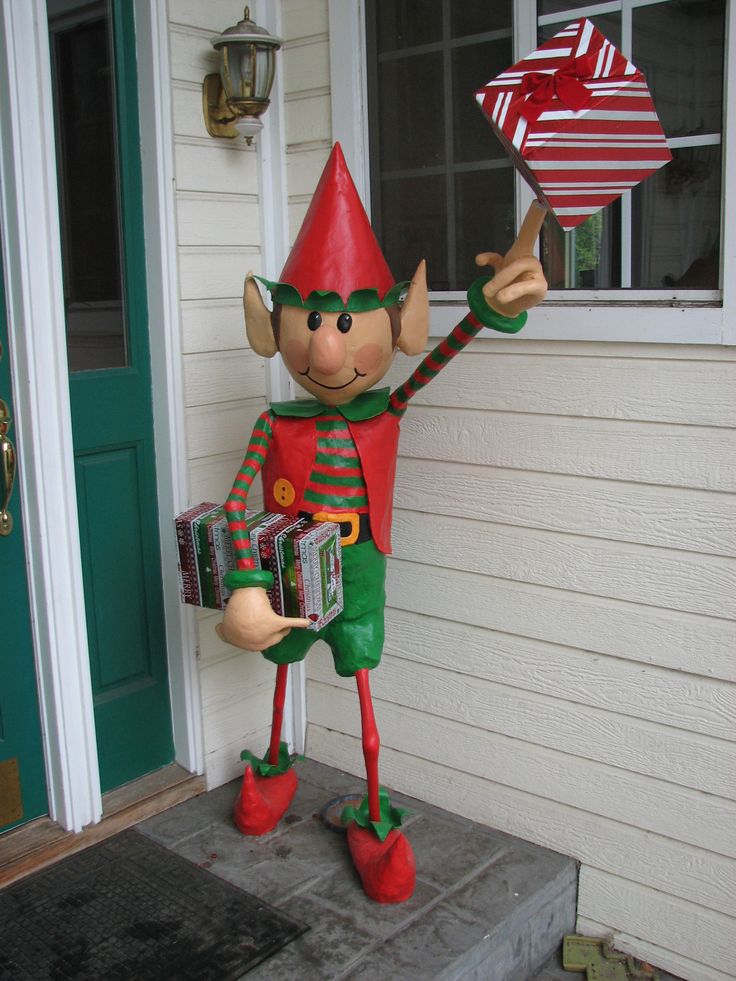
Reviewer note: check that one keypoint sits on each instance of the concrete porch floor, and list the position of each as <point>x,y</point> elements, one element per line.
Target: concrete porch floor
<point>486,906</point>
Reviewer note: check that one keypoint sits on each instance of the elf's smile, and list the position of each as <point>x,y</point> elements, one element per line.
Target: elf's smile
<point>334,388</point>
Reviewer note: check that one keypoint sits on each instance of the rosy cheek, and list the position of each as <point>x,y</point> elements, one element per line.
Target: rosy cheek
<point>296,356</point>
<point>368,358</point>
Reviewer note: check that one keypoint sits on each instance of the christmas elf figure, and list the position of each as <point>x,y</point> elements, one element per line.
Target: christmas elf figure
<point>338,319</point>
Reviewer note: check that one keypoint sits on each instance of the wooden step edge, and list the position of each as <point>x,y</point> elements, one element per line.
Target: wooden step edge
<point>43,842</point>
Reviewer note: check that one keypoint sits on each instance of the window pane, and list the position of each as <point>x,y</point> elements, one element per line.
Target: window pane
<point>88,189</point>
<point>407,23</point>
<point>477,18</point>
<point>556,6</point>
<point>588,257</point>
<point>411,112</point>
<point>414,227</point>
<point>679,47</point>
<point>484,218</point>
<point>677,212</point>
<point>472,66</point>
<point>608,24</point>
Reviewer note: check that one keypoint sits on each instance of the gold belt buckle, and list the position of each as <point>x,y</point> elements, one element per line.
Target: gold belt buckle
<point>352,516</point>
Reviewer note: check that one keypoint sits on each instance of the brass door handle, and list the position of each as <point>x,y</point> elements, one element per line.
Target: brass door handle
<point>7,470</point>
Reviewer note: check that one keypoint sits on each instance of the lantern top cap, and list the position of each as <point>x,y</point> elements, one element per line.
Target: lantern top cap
<point>246,31</point>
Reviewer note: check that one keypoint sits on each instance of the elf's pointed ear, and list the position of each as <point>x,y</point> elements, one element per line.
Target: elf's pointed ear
<point>415,314</point>
<point>257,320</point>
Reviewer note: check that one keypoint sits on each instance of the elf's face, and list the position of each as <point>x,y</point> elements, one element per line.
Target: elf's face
<point>336,356</point>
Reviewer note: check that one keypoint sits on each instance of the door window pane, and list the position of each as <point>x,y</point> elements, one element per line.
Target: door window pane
<point>84,116</point>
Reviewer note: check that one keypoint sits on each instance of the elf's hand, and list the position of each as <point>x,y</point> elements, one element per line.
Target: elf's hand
<point>518,283</point>
<point>251,623</point>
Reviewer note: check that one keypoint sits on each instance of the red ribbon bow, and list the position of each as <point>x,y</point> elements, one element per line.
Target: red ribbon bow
<point>565,84</point>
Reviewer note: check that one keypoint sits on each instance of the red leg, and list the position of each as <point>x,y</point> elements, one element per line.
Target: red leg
<point>263,801</point>
<point>371,742</point>
<point>386,868</point>
<point>279,697</point>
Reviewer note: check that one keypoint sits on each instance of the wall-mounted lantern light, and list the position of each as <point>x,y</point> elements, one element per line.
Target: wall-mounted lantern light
<point>234,99</point>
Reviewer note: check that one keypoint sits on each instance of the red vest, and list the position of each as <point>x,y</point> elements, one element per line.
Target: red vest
<point>292,454</point>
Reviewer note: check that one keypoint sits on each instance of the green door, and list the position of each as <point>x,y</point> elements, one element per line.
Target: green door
<point>22,773</point>
<point>98,160</point>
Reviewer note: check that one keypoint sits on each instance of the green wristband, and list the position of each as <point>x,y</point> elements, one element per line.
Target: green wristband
<point>240,578</point>
<point>487,315</point>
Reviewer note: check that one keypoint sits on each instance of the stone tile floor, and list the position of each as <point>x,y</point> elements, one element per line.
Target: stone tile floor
<point>487,906</point>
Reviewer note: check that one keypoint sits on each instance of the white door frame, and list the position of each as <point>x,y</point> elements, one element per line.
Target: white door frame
<point>36,326</point>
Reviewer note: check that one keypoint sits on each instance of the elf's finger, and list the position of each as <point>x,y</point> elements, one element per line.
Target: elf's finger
<point>494,259</point>
<point>515,270</point>
<point>529,231</point>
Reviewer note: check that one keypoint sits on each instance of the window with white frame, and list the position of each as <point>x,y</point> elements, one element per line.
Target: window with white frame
<point>441,185</point>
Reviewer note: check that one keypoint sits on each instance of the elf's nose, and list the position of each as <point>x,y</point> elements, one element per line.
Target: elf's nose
<point>327,350</point>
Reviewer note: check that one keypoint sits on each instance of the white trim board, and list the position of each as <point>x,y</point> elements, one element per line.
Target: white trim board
<point>157,141</point>
<point>684,324</point>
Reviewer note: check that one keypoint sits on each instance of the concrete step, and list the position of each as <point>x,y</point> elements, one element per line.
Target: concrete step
<point>486,906</point>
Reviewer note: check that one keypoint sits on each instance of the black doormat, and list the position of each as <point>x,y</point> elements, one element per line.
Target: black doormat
<point>129,910</point>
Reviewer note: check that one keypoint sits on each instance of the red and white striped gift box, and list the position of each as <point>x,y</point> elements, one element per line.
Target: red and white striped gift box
<point>578,120</point>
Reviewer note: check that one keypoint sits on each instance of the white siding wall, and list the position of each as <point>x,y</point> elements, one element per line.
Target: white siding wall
<point>560,632</point>
<point>218,220</point>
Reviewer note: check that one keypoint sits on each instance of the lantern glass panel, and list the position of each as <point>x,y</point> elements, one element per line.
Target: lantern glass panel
<point>237,70</point>
<point>265,65</point>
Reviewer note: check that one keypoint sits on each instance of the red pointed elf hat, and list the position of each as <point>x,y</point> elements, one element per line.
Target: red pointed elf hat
<point>336,262</point>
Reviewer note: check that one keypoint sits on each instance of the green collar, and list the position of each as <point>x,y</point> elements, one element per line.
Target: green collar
<point>364,406</point>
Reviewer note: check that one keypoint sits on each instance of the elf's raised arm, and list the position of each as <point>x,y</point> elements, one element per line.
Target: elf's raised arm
<point>499,302</point>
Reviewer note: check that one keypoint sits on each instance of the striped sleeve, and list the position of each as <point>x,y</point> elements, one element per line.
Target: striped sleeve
<point>236,503</point>
<point>434,362</point>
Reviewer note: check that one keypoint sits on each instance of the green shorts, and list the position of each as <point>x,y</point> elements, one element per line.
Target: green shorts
<point>355,636</point>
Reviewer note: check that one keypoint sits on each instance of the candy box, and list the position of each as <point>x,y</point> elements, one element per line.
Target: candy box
<point>304,557</point>
<point>578,120</point>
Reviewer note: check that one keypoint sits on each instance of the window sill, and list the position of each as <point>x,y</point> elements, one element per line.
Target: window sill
<point>655,321</point>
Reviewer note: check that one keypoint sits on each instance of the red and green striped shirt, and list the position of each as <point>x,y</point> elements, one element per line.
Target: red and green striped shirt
<point>336,480</point>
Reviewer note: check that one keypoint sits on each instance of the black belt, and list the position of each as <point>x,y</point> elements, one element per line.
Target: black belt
<point>354,528</point>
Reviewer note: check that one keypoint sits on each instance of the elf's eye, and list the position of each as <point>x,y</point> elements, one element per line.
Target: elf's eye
<point>344,323</point>
<point>314,320</point>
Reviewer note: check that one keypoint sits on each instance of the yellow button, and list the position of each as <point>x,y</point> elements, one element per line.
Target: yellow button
<point>283,491</point>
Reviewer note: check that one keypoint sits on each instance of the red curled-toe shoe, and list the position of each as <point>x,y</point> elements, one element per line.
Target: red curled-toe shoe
<point>387,868</point>
<point>263,801</point>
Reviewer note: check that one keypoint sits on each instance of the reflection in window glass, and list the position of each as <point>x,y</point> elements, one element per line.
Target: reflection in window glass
<point>411,112</point>
<point>408,23</point>
<point>478,18</point>
<point>415,220</point>
<point>556,6</point>
<point>441,185</point>
<point>484,217</point>
<point>678,214</point>
<point>426,58</point>
<point>679,47</point>
<point>588,257</point>
<point>472,66</point>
